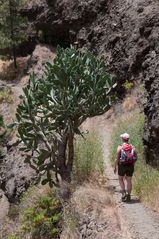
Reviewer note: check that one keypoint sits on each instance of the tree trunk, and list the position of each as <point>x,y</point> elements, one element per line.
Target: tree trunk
<point>14,57</point>
<point>12,32</point>
<point>66,175</point>
<point>61,164</point>
<point>70,152</point>
<point>68,169</point>
<point>66,162</point>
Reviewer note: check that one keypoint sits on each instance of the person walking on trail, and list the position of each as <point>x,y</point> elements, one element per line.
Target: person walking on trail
<point>125,161</point>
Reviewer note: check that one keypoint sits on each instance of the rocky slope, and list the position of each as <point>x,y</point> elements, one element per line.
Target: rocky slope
<point>15,175</point>
<point>124,32</point>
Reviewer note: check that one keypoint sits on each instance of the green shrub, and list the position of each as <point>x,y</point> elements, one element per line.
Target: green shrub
<point>88,156</point>
<point>39,215</point>
<point>12,237</point>
<point>5,134</point>
<point>43,220</point>
<point>6,96</point>
<point>128,85</point>
<point>1,121</point>
<point>40,35</point>
<point>4,57</point>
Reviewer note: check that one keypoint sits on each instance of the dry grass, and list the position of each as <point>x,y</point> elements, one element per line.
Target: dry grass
<point>129,103</point>
<point>88,158</point>
<point>89,201</point>
<point>93,198</point>
<point>151,197</point>
<point>67,234</point>
<point>97,201</point>
<point>7,71</point>
<point>146,185</point>
<point>70,227</point>
<point>9,97</point>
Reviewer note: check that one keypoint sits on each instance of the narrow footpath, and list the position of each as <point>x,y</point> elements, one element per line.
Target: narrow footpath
<point>137,221</point>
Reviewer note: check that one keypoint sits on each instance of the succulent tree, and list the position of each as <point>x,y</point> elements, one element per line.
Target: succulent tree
<point>53,107</point>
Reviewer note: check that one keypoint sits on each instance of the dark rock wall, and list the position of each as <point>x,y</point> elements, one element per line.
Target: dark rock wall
<point>151,109</point>
<point>124,32</point>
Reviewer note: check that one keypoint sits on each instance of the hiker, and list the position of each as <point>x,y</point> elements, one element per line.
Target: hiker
<point>125,160</point>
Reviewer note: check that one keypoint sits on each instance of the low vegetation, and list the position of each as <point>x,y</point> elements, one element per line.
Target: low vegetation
<point>6,96</point>
<point>128,85</point>
<point>88,157</point>
<point>44,218</point>
<point>146,179</point>
<point>41,214</point>
<point>6,132</point>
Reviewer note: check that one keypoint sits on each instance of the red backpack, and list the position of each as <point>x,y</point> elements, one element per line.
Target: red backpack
<point>127,155</point>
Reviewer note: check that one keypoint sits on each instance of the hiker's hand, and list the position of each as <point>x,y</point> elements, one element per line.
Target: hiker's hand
<point>115,170</point>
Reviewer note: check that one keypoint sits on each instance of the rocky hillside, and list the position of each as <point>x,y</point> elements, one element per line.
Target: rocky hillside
<point>15,175</point>
<point>124,32</point>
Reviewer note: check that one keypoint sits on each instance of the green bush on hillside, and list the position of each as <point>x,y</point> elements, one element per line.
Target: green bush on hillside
<point>12,237</point>
<point>43,220</point>
<point>38,215</point>
<point>6,96</point>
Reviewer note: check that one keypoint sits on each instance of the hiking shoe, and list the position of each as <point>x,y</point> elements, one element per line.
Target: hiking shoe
<point>123,198</point>
<point>128,198</point>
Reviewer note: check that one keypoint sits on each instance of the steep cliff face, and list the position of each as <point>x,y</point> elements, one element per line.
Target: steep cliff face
<point>124,32</point>
<point>151,132</point>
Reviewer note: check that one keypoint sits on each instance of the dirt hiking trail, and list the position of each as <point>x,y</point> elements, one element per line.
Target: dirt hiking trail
<point>136,220</point>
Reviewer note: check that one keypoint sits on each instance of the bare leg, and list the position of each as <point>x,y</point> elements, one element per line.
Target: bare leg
<point>129,184</point>
<point>122,184</point>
